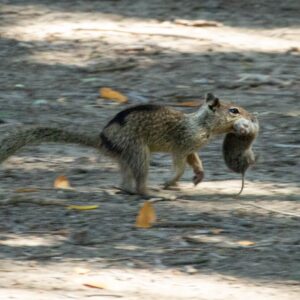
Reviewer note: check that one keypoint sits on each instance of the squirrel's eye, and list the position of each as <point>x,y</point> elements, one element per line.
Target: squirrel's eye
<point>234,110</point>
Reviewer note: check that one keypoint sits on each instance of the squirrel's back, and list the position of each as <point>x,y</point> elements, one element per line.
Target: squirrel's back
<point>159,127</point>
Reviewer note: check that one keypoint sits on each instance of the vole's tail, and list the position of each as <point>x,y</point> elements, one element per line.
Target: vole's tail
<point>242,187</point>
<point>37,135</point>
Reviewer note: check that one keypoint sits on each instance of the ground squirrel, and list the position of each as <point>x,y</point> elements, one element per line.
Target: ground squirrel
<point>135,132</point>
<point>237,147</point>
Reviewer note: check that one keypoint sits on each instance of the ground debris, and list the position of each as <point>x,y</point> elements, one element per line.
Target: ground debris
<point>202,242</point>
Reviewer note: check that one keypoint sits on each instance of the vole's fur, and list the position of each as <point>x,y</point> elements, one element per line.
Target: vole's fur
<point>135,132</point>
<point>237,148</point>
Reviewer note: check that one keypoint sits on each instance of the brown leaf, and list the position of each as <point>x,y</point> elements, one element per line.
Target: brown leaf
<point>146,216</point>
<point>96,285</point>
<point>82,207</point>
<point>62,182</point>
<point>246,243</point>
<point>188,104</point>
<point>108,93</point>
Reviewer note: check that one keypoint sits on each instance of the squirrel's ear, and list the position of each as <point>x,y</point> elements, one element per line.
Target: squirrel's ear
<point>212,101</point>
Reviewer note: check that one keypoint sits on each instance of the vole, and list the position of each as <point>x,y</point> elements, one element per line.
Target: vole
<point>237,147</point>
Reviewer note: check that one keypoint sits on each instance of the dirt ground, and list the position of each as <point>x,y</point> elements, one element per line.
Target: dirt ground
<point>54,57</point>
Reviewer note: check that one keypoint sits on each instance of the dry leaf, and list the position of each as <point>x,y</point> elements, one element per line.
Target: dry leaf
<point>26,190</point>
<point>189,104</point>
<point>62,182</point>
<point>246,243</point>
<point>63,232</point>
<point>216,230</point>
<point>96,285</point>
<point>111,94</point>
<point>83,207</point>
<point>146,216</point>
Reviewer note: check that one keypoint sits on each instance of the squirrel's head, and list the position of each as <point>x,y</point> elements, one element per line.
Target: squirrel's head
<point>224,117</point>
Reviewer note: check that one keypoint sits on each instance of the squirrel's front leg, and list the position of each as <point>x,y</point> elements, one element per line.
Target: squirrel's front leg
<point>179,163</point>
<point>195,162</point>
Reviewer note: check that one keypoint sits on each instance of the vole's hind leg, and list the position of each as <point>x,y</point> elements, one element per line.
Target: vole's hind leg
<point>179,163</point>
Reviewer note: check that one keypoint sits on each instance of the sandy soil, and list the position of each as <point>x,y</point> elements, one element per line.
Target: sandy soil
<point>54,59</point>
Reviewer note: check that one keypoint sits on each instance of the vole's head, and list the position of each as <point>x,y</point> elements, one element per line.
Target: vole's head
<point>224,117</point>
<point>246,127</point>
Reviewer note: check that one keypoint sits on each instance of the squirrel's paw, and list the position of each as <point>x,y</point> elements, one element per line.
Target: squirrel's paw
<point>169,185</point>
<point>199,175</point>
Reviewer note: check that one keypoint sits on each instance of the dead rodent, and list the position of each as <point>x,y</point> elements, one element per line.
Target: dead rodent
<point>134,133</point>
<point>237,148</point>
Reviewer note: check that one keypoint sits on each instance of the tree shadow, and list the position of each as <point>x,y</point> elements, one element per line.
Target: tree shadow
<point>214,244</point>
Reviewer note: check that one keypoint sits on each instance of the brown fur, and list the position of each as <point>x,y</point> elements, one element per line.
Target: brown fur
<point>133,134</point>
<point>237,149</point>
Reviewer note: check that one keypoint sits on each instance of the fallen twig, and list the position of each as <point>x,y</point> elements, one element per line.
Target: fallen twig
<point>273,210</point>
<point>37,189</point>
<point>20,200</point>
<point>120,67</point>
<point>181,250</point>
<point>195,261</point>
<point>105,295</point>
<point>206,224</point>
<point>136,32</point>
<point>197,23</point>
<point>182,224</point>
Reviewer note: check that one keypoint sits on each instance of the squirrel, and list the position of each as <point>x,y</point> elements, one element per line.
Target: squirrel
<point>132,134</point>
<point>237,148</point>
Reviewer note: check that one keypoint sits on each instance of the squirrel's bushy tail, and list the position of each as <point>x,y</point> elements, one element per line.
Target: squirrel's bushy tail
<point>37,135</point>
